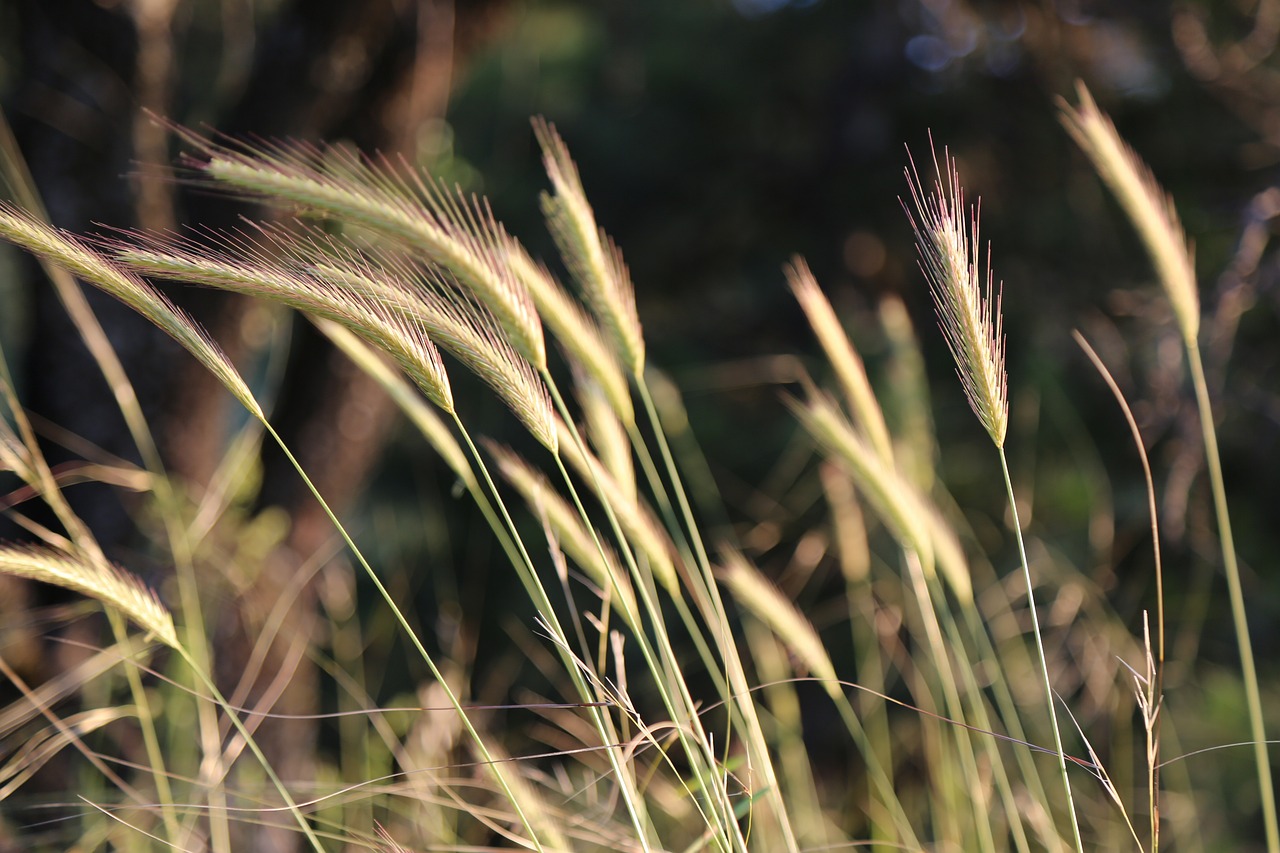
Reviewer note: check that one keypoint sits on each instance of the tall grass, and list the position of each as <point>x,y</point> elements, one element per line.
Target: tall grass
<point>704,700</point>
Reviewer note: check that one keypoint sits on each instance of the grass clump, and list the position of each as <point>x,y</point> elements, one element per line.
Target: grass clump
<point>682,657</point>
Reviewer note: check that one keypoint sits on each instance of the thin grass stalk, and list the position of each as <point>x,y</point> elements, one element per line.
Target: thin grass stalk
<point>504,528</point>
<point>94,759</point>
<point>249,740</point>
<point>976,627</point>
<point>715,668</point>
<point>690,459</point>
<point>95,339</point>
<point>405,626</point>
<point>982,719</point>
<point>1253,698</point>
<point>946,669</point>
<point>598,267</point>
<point>1152,213</point>
<point>767,604</point>
<point>667,665</point>
<point>716,615</point>
<point>769,655</point>
<point>534,586</point>
<point>1156,688</point>
<point>1044,666</point>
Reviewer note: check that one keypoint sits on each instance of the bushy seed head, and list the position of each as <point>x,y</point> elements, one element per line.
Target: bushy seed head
<point>947,239</point>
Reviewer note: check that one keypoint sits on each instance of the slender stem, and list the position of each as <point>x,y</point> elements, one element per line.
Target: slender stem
<point>666,676</point>
<point>1044,666</point>
<point>254,748</point>
<point>413,639</point>
<point>718,617</point>
<point>1249,672</point>
<point>543,602</point>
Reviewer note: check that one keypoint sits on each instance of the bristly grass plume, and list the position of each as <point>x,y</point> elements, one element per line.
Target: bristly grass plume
<point>972,325</point>
<point>947,239</point>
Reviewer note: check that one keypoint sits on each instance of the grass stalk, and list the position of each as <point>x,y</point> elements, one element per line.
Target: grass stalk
<point>1249,672</point>
<point>662,662</point>
<point>409,632</point>
<point>1044,665</point>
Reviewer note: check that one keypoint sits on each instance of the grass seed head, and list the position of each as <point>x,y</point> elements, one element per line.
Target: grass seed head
<point>1148,207</point>
<point>947,239</point>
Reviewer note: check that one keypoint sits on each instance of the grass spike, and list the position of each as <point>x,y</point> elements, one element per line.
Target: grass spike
<point>591,256</point>
<point>111,585</point>
<point>1147,206</point>
<point>848,366</point>
<point>71,254</point>
<point>947,240</point>
<point>458,233</point>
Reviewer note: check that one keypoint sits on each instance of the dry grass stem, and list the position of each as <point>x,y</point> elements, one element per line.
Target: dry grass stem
<point>110,585</point>
<point>592,258</point>
<point>947,239</point>
<point>1148,207</point>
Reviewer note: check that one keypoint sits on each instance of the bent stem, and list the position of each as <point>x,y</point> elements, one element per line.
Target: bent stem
<point>1253,700</point>
<point>1044,666</point>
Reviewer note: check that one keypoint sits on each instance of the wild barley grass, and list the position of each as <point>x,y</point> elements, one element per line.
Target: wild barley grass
<point>844,359</point>
<point>947,240</point>
<point>669,762</point>
<point>111,585</point>
<point>1152,213</point>
<point>576,331</point>
<point>642,530</point>
<point>446,227</point>
<point>598,560</point>
<point>896,502</point>
<point>1148,207</point>
<point>592,258</point>
<point>71,254</point>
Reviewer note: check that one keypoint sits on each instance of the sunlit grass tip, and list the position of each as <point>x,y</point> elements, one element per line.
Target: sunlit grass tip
<point>110,585</point>
<point>947,240</point>
<point>844,359</point>
<point>1148,207</point>
<point>450,228</point>
<point>589,253</point>
<point>71,254</point>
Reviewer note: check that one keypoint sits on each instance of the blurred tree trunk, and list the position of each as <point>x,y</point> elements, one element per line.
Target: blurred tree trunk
<point>370,72</point>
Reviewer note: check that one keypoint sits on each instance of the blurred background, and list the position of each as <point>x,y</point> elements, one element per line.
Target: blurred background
<point>716,139</point>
